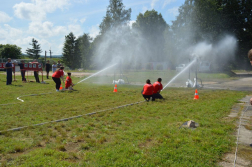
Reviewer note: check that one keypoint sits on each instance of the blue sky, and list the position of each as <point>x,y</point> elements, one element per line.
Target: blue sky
<point>49,21</point>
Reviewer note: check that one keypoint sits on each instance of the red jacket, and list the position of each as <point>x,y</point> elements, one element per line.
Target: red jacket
<point>148,89</point>
<point>58,74</point>
<point>68,82</point>
<point>157,87</point>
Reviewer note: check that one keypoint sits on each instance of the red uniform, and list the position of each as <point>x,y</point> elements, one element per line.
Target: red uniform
<point>157,87</point>
<point>68,82</point>
<point>58,74</point>
<point>148,89</point>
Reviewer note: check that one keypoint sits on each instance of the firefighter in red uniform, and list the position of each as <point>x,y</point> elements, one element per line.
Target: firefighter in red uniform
<point>57,75</point>
<point>157,89</point>
<point>69,84</point>
<point>147,91</point>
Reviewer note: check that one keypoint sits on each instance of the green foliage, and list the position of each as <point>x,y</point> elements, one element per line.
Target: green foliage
<point>86,52</point>
<point>152,26</point>
<point>71,52</point>
<point>34,52</point>
<point>210,20</point>
<point>10,51</point>
<point>116,15</point>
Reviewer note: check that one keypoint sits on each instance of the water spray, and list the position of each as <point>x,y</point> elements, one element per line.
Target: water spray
<point>96,73</point>
<point>189,65</point>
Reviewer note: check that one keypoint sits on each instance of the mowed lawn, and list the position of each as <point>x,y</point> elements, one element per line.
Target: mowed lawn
<point>144,134</point>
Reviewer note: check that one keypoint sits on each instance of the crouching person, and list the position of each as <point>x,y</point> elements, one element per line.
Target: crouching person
<point>69,84</point>
<point>157,89</point>
<point>147,91</point>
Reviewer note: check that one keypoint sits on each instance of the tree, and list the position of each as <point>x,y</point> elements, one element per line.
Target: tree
<point>210,20</point>
<point>71,52</point>
<point>84,45</point>
<point>151,25</point>
<point>34,53</point>
<point>10,51</point>
<point>116,15</point>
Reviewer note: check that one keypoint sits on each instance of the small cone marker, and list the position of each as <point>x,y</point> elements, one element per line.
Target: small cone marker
<point>196,96</point>
<point>115,88</point>
<point>61,87</point>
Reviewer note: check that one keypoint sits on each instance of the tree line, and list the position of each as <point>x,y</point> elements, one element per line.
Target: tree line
<point>198,20</point>
<point>155,40</point>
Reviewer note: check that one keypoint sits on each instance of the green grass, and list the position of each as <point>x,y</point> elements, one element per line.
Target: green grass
<point>145,134</point>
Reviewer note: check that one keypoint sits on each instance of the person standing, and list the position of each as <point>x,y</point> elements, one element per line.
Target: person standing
<point>57,75</point>
<point>59,64</point>
<point>54,67</point>
<point>47,67</point>
<point>21,65</point>
<point>35,72</point>
<point>157,89</point>
<point>147,91</point>
<point>8,67</point>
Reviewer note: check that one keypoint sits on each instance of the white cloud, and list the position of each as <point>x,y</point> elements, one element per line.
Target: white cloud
<point>167,2</point>
<point>153,3</point>
<point>46,29</point>
<point>174,11</point>
<point>29,11</point>
<point>37,9</point>
<point>4,17</point>
<point>82,20</point>
<point>75,29</point>
<point>8,33</point>
<point>94,31</point>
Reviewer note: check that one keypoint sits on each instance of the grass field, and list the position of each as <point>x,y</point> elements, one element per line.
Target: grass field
<point>144,134</point>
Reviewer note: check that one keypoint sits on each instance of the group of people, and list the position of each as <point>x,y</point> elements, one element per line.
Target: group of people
<point>54,67</point>
<point>152,92</point>
<point>58,75</point>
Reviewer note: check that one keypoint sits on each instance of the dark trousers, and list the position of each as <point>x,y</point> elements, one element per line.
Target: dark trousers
<point>57,81</point>
<point>157,96</point>
<point>47,74</point>
<point>147,97</point>
<point>9,77</point>
<point>36,76</point>
<point>23,75</point>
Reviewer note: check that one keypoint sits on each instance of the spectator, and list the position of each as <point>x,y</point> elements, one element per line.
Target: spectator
<point>54,67</point>
<point>36,72</point>
<point>59,64</point>
<point>8,67</point>
<point>47,67</point>
<point>21,65</point>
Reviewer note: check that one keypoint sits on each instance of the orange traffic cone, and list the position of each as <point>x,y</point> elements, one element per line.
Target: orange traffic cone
<point>61,87</point>
<point>196,96</point>
<point>115,88</point>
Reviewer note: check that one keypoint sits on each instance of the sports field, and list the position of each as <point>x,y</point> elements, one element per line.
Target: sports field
<point>120,131</point>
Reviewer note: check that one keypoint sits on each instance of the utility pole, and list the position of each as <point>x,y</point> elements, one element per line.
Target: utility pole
<point>45,58</point>
<point>50,53</point>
